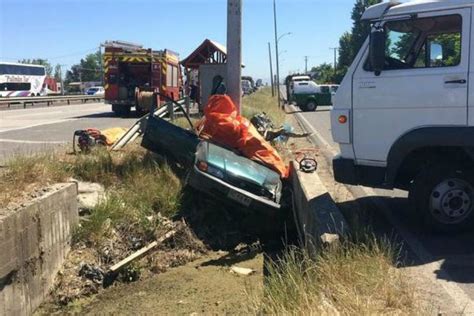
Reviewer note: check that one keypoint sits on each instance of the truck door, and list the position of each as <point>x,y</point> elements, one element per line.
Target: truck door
<point>424,82</point>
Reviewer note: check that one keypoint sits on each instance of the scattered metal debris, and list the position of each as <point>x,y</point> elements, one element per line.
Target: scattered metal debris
<point>264,125</point>
<point>91,272</point>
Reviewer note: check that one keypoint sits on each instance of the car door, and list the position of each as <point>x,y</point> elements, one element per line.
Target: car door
<point>424,83</point>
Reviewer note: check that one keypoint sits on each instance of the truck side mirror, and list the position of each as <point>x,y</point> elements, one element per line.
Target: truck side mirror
<point>377,50</point>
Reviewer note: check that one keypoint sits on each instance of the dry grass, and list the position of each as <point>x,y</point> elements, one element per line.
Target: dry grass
<point>262,101</point>
<point>350,279</point>
<point>25,174</point>
<point>137,186</point>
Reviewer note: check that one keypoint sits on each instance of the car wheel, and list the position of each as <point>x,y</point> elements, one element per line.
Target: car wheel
<point>443,196</point>
<point>311,106</point>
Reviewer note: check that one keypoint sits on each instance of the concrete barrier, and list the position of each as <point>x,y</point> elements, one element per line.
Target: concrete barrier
<point>34,241</point>
<point>317,216</point>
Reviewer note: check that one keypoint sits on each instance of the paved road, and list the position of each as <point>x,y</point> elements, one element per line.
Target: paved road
<point>40,129</point>
<point>447,260</point>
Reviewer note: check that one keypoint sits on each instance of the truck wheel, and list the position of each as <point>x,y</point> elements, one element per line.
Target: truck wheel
<point>310,106</point>
<point>443,196</point>
<point>121,110</point>
<point>140,112</point>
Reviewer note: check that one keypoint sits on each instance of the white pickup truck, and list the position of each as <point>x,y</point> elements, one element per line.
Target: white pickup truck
<point>404,113</point>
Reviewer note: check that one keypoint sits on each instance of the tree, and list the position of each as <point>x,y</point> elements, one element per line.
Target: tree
<point>360,29</point>
<point>345,50</point>
<point>57,73</point>
<point>349,44</point>
<point>88,69</point>
<point>323,73</point>
<point>43,62</point>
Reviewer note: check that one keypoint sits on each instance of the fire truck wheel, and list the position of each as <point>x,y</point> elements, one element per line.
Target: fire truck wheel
<point>121,110</point>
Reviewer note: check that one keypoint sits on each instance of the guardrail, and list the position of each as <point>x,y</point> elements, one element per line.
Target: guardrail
<point>48,100</point>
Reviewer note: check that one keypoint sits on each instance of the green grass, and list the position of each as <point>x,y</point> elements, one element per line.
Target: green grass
<point>262,101</point>
<point>348,279</point>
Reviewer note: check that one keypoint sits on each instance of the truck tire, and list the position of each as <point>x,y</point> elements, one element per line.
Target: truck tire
<point>121,110</point>
<point>443,197</point>
<point>310,106</point>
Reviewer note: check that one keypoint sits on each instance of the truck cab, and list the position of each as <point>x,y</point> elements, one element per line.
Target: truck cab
<point>403,115</point>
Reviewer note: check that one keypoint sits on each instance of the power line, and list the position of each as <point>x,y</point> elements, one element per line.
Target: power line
<point>81,53</point>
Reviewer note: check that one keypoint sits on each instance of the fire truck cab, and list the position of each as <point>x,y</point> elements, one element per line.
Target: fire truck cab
<point>130,69</point>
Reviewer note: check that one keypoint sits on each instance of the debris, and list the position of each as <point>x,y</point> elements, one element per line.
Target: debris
<point>264,125</point>
<point>91,272</point>
<point>112,273</point>
<point>308,165</point>
<point>241,271</point>
<point>329,239</point>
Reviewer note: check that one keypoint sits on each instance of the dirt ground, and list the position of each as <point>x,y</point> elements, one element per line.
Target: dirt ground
<point>205,286</point>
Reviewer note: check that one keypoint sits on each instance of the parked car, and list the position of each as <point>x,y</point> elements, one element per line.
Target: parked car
<point>98,91</point>
<point>403,115</point>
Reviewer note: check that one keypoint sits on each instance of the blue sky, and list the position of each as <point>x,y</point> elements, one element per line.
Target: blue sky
<point>63,31</point>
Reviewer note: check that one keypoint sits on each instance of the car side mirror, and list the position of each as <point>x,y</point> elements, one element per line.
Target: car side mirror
<point>377,50</point>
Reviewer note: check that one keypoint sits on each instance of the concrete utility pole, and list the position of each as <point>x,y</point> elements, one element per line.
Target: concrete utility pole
<point>335,59</point>
<point>306,64</point>
<point>271,68</point>
<point>234,51</point>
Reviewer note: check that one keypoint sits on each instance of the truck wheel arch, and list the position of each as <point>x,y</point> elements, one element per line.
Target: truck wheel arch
<point>428,143</point>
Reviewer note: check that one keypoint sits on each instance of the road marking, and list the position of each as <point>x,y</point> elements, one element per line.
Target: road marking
<point>4,140</point>
<point>34,125</point>
<point>429,269</point>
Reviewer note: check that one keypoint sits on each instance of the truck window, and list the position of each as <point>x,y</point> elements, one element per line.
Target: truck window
<point>422,43</point>
<point>325,89</point>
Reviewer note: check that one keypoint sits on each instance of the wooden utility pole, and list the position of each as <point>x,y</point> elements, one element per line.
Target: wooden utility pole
<point>271,68</point>
<point>234,51</point>
<point>306,65</point>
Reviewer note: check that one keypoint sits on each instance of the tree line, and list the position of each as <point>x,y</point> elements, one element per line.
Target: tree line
<point>349,44</point>
<point>88,69</point>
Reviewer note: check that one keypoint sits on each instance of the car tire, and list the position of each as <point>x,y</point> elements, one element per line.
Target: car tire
<point>442,196</point>
<point>310,106</point>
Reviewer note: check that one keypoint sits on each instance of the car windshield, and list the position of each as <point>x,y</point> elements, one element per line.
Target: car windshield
<point>93,89</point>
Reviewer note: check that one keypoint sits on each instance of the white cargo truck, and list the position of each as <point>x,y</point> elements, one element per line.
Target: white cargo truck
<point>404,114</point>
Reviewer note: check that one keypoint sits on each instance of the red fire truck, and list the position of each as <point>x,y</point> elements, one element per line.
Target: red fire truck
<point>130,69</point>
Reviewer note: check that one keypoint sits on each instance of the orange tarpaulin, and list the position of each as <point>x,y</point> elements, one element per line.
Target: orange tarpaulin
<point>223,125</point>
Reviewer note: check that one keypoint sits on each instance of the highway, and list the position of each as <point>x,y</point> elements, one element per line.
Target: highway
<point>40,129</point>
<point>447,261</point>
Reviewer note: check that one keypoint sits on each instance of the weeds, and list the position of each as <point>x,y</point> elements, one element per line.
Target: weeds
<point>262,101</point>
<point>349,279</point>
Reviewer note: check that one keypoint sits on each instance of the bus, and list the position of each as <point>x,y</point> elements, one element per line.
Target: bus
<point>22,80</point>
